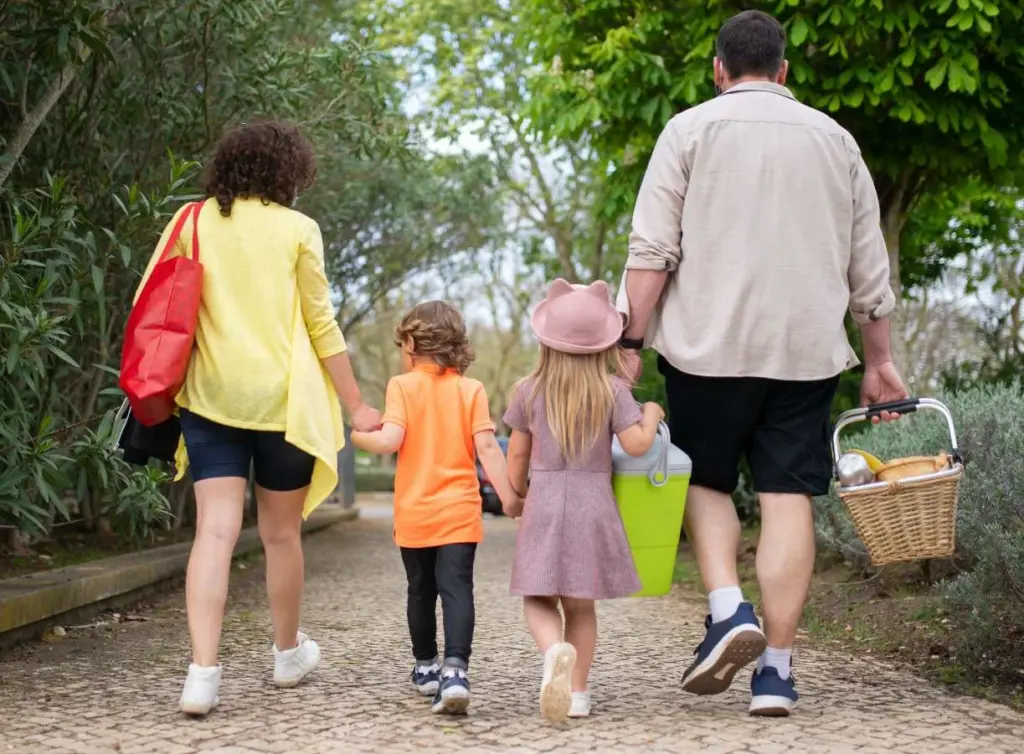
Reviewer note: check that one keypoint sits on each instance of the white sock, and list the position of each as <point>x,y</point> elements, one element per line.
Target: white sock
<point>724,602</point>
<point>780,659</point>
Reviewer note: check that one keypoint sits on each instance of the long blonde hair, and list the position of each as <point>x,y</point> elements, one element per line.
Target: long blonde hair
<point>578,397</point>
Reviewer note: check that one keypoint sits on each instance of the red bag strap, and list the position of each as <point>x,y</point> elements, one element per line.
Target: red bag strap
<point>192,210</point>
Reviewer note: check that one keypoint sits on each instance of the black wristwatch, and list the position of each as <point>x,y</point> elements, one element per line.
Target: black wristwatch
<point>631,344</point>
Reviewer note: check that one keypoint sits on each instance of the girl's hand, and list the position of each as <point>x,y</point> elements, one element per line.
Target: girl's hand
<point>513,509</point>
<point>655,411</point>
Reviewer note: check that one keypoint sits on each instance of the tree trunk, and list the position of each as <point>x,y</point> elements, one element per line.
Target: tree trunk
<point>21,138</point>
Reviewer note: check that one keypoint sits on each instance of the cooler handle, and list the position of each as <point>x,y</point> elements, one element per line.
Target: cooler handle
<point>658,475</point>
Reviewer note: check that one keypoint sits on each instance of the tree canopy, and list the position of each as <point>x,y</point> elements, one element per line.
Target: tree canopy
<point>933,90</point>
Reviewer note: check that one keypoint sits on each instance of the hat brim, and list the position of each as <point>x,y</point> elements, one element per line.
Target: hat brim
<point>610,332</point>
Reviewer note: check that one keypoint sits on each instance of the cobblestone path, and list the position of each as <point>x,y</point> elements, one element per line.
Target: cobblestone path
<point>115,688</point>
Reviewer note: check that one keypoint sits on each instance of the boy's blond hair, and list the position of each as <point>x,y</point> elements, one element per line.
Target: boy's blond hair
<point>578,397</point>
<point>437,331</point>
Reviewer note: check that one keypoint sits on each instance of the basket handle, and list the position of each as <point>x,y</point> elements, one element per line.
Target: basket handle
<point>905,406</point>
<point>902,406</point>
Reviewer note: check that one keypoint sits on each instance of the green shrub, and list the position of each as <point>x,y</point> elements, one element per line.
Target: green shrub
<point>375,480</point>
<point>989,591</point>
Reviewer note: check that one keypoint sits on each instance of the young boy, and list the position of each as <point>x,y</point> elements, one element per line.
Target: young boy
<point>439,423</point>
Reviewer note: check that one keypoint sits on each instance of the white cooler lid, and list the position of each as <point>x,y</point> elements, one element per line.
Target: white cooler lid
<point>662,458</point>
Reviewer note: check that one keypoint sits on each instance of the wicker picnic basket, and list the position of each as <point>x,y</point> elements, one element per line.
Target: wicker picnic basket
<point>910,512</point>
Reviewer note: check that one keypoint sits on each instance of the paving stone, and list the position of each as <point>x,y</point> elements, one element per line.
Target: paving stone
<point>102,690</point>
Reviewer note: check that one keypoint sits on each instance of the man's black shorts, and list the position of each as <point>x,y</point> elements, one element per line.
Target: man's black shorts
<point>781,427</point>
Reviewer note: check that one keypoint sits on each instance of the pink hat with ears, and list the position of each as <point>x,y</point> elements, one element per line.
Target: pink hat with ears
<point>577,319</point>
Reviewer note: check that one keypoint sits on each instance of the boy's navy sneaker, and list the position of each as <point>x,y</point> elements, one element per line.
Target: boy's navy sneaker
<point>426,678</point>
<point>728,645</point>
<point>452,695</point>
<point>771,696</point>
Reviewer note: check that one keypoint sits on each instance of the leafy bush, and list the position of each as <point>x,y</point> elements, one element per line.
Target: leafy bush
<point>375,480</point>
<point>989,591</point>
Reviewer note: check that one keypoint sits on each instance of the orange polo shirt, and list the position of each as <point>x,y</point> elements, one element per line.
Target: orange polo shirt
<point>437,493</point>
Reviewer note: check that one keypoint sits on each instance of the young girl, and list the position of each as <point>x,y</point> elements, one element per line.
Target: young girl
<point>438,422</point>
<point>571,547</point>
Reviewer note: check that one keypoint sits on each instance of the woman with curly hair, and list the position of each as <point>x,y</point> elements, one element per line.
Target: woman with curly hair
<point>438,421</point>
<point>262,390</point>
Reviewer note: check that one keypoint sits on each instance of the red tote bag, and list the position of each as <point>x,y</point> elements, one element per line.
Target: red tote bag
<point>161,329</point>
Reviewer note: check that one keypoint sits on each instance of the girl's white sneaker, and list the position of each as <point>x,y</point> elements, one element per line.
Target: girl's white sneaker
<point>200,693</point>
<point>580,704</point>
<point>556,684</point>
<point>292,665</point>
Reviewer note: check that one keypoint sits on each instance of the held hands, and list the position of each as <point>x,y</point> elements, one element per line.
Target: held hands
<point>514,508</point>
<point>365,418</point>
<point>882,384</point>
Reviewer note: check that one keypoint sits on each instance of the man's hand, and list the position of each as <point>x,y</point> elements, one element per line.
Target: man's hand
<point>882,384</point>
<point>365,418</point>
<point>631,365</point>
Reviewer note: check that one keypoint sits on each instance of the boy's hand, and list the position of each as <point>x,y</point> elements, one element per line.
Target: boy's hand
<point>365,418</point>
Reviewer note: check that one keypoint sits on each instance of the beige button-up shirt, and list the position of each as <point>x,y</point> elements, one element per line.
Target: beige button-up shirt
<point>765,214</point>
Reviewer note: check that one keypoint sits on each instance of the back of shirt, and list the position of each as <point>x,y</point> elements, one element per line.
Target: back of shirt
<point>437,492</point>
<point>767,210</point>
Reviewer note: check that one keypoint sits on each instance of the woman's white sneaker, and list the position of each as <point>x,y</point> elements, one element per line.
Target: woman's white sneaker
<point>580,704</point>
<point>201,687</point>
<point>292,665</point>
<point>556,685</point>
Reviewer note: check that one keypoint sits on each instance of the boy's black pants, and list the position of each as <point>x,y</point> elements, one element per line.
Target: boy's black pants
<point>445,571</point>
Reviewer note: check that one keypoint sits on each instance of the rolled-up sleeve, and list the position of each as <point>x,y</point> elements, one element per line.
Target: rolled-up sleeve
<point>315,295</point>
<point>871,296</point>
<point>655,239</point>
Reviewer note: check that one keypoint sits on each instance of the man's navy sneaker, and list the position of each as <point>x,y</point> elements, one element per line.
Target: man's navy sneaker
<point>426,678</point>
<point>452,696</point>
<point>728,645</point>
<point>770,695</point>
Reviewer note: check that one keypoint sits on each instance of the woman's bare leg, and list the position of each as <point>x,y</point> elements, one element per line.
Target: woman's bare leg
<point>280,527</point>
<point>219,506</point>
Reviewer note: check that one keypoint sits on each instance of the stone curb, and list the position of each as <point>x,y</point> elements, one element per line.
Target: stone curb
<point>30,599</point>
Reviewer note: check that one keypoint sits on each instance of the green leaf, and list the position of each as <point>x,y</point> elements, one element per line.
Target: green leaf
<point>97,279</point>
<point>854,98</point>
<point>936,74</point>
<point>13,352</point>
<point>648,109</point>
<point>887,80</point>
<point>63,356</point>
<point>798,31</point>
<point>62,40</point>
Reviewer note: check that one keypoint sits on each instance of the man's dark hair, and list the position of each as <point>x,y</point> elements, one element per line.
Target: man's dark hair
<point>751,43</point>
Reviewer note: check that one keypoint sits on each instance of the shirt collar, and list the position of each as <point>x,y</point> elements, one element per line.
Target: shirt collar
<point>761,86</point>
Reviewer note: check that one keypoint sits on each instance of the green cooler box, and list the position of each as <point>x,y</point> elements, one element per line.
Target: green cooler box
<point>651,495</point>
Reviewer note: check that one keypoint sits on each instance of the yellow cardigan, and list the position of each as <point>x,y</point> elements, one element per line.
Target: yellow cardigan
<point>265,322</point>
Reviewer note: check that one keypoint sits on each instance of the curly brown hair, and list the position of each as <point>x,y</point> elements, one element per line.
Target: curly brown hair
<point>437,331</point>
<point>269,160</point>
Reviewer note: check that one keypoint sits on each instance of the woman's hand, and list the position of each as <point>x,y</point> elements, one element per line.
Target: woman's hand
<point>364,418</point>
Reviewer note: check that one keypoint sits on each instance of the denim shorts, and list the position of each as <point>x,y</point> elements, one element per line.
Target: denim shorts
<point>216,451</point>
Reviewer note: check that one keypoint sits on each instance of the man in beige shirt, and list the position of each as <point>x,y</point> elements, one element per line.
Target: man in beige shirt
<point>755,230</point>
